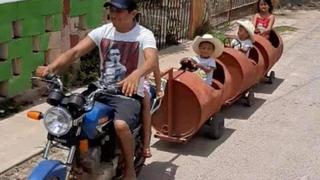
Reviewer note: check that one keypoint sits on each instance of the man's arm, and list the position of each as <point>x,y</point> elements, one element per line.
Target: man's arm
<point>157,78</point>
<point>151,62</point>
<point>66,58</point>
<point>130,84</point>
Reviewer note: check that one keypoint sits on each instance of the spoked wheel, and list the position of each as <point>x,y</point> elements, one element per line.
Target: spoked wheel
<point>216,126</point>
<point>271,77</point>
<point>248,99</point>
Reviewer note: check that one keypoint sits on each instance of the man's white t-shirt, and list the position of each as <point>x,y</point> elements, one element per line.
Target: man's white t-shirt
<point>207,62</point>
<point>121,53</point>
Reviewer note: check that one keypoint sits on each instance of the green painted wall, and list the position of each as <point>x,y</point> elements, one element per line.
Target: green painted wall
<point>35,19</point>
<point>91,9</point>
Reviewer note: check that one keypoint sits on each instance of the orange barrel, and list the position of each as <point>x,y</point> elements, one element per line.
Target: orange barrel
<point>188,103</point>
<point>230,86</point>
<point>260,66</point>
<point>277,43</point>
<point>271,49</point>
<point>240,74</point>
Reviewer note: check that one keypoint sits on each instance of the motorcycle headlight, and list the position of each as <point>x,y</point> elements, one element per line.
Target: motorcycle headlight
<point>57,121</point>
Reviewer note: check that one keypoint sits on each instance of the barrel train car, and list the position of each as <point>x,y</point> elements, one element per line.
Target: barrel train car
<point>189,103</point>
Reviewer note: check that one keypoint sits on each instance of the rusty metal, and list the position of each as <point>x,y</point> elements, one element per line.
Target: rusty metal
<point>193,103</point>
<point>170,87</point>
<point>271,50</point>
<point>277,43</point>
<point>170,138</point>
<point>167,19</point>
<point>240,74</point>
<point>189,102</point>
<point>260,66</point>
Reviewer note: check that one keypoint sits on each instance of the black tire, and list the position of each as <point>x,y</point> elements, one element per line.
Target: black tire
<point>139,159</point>
<point>249,99</point>
<point>53,178</point>
<point>216,126</point>
<point>271,77</point>
<point>138,162</point>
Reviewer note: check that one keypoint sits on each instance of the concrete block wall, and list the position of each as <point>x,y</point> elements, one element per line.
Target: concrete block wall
<point>35,32</point>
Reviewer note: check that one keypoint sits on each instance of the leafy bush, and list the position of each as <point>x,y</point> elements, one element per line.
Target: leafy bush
<point>9,107</point>
<point>89,68</point>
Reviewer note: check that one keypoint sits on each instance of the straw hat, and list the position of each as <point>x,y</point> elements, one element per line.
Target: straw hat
<point>218,45</point>
<point>248,26</point>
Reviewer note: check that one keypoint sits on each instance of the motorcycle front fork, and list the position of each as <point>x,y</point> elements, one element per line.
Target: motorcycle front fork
<point>70,158</point>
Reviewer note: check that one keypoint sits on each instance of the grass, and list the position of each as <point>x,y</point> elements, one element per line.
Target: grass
<point>219,32</point>
<point>282,29</point>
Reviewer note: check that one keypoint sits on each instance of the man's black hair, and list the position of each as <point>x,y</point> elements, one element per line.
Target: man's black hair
<point>133,6</point>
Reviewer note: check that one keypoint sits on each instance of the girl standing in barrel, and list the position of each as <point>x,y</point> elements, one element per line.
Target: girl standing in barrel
<point>264,19</point>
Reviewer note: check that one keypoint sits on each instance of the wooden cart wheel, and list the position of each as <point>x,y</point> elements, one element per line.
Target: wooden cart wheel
<point>216,126</point>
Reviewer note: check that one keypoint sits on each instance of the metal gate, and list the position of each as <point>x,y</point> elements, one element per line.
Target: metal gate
<point>167,19</point>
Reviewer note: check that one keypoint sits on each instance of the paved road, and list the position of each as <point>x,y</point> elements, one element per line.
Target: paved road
<point>277,138</point>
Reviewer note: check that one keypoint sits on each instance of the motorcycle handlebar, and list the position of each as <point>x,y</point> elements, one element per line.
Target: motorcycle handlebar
<point>50,76</point>
<point>52,79</point>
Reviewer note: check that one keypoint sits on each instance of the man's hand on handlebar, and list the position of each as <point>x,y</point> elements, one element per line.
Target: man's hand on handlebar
<point>43,71</point>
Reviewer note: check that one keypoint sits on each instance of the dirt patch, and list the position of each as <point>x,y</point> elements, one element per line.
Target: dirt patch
<point>23,170</point>
<point>301,4</point>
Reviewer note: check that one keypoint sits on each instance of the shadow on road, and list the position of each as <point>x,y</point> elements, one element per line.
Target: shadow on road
<point>239,111</point>
<point>268,88</point>
<point>199,145</point>
<point>160,170</point>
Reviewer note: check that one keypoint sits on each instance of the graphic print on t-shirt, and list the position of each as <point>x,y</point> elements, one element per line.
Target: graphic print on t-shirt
<point>119,59</point>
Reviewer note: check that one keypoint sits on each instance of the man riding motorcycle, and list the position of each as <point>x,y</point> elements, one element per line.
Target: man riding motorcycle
<point>138,53</point>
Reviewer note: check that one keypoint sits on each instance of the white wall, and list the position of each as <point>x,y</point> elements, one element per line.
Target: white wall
<point>7,1</point>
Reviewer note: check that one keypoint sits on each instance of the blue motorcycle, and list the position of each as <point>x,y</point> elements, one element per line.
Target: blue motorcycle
<point>80,124</point>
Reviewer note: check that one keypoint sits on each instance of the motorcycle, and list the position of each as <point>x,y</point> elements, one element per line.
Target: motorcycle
<point>80,124</point>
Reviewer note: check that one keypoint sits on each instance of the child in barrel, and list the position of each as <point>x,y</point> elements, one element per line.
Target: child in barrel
<point>244,41</point>
<point>263,21</point>
<point>207,49</point>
